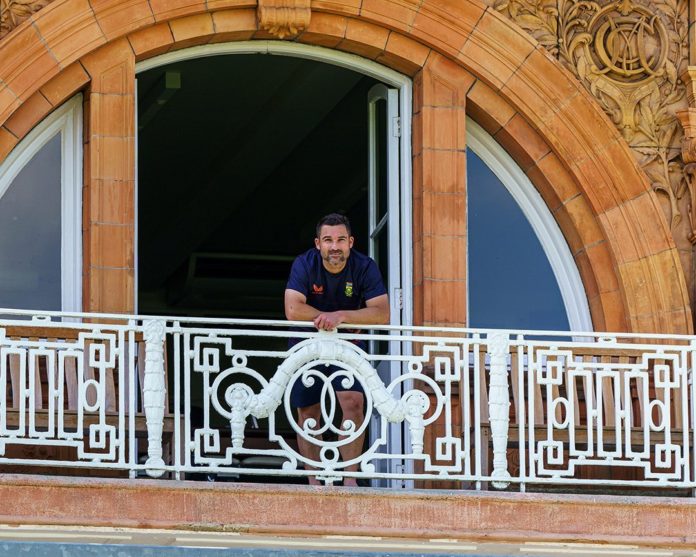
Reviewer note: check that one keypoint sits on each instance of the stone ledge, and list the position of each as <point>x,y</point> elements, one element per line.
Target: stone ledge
<point>278,509</point>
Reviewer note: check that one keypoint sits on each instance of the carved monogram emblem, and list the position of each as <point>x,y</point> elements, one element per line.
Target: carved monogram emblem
<point>621,56</point>
<point>629,54</point>
<point>629,44</point>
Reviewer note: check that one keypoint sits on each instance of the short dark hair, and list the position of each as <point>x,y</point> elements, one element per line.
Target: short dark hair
<point>333,219</point>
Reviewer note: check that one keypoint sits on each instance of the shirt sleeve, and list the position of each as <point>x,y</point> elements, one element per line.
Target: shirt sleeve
<point>374,285</point>
<point>299,278</point>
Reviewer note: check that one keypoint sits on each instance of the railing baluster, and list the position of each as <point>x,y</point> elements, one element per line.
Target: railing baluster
<point>499,406</point>
<point>154,393</point>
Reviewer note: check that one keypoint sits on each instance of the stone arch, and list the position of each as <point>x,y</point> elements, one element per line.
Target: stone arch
<point>563,196</point>
<point>533,106</point>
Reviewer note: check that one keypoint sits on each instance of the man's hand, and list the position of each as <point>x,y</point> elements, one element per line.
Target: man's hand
<point>329,320</point>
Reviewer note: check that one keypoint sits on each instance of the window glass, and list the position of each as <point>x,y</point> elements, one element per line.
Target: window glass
<point>30,233</point>
<point>511,283</point>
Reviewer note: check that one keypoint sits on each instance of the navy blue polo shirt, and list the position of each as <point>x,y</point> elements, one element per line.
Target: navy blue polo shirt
<point>359,281</point>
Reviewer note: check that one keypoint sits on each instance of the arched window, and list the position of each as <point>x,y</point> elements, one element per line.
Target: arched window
<point>40,215</point>
<point>521,271</point>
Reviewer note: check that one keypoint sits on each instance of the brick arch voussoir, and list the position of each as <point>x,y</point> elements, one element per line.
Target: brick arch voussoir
<point>40,67</point>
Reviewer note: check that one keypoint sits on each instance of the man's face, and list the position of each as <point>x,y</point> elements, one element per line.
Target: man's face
<point>334,244</point>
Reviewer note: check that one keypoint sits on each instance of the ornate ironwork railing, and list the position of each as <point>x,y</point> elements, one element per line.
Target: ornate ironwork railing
<point>162,395</point>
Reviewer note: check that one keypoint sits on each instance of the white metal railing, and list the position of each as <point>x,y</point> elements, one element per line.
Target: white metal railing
<point>182,396</point>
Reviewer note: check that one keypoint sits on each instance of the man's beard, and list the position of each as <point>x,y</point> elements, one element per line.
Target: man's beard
<point>333,258</point>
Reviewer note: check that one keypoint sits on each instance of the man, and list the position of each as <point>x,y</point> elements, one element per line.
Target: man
<point>331,285</point>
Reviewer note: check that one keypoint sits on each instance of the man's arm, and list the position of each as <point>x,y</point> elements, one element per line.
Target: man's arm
<point>297,308</point>
<point>375,312</point>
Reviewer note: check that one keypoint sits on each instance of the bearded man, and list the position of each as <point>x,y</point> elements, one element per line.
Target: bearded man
<point>332,284</point>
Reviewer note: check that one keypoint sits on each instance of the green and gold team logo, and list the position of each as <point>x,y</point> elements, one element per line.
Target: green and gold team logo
<point>349,289</point>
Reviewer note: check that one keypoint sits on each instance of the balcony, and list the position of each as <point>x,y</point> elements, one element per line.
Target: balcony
<point>489,435</point>
<point>463,409</point>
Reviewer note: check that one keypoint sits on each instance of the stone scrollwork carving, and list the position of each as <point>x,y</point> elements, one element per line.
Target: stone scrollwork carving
<point>629,54</point>
<point>538,17</point>
<point>688,121</point>
<point>14,12</point>
<point>284,18</point>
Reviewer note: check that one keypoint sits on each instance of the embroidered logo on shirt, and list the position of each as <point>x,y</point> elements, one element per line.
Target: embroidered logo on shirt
<point>318,289</point>
<point>349,289</point>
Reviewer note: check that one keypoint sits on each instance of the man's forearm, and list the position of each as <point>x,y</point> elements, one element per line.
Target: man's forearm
<point>301,311</point>
<point>374,314</point>
<point>367,316</point>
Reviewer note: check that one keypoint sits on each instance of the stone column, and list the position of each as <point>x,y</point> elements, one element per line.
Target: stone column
<point>439,208</point>
<point>439,192</point>
<point>109,180</point>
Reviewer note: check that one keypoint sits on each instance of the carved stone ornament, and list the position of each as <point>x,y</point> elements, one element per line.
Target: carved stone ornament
<point>14,12</point>
<point>284,18</point>
<point>688,121</point>
<point>629,55</point>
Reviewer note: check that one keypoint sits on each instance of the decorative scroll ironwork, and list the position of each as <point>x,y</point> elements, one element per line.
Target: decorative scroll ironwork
<point>607,410</point>
<point>612,412</point>
<point>627,411</point>
<point>237,401</point>
<point>42,411</point>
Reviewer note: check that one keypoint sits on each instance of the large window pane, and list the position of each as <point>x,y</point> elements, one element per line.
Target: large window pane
<point>30,233</point>
<point>511,283</point>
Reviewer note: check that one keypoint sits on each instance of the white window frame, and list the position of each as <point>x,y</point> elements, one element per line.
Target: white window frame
<point>66,120</point>
<point>541,220</point>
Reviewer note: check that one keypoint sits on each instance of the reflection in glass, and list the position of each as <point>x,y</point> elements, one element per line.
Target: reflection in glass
<point>30,233</point>
<point>511,283</point>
